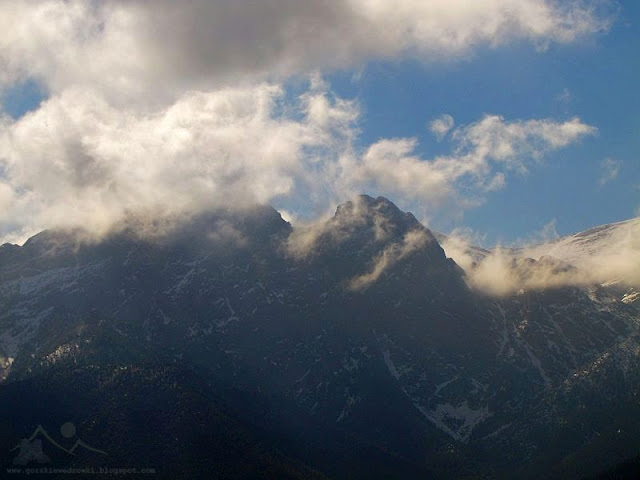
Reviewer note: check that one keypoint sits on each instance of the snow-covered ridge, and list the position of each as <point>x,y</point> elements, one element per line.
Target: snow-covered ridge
<point>608,254</point>
<point>604,240</point>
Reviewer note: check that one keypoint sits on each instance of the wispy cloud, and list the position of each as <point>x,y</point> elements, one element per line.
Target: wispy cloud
<point>442,125</point>
<point>482,154</point>
<point>610,170</point>
<point>565,97</point>
<point>412,241</point>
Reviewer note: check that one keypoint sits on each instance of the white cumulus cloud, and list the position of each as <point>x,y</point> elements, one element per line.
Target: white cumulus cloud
<point>168,106</point>
<point>482,152</point>
<point>79,160</point>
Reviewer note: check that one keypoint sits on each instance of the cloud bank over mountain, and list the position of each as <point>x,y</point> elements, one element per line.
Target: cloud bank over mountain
<point>165,107</point>
<point>608,254</point>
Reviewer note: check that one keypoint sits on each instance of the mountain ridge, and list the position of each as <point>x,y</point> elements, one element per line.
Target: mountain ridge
<point>410,362</point>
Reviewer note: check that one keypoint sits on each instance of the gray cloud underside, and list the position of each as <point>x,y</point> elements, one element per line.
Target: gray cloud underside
<point>131,47</point>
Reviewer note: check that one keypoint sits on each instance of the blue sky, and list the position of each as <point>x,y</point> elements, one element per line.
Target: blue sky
<point>101,119</point>
<point>596,80</point>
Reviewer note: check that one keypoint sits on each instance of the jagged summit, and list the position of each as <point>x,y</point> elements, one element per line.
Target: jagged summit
<point>365,201</point>
<point>377,221</point>
<point>369,209</point>
<point>379,215</point>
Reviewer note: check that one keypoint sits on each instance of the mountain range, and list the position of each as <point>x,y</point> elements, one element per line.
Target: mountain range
<point>232,345</point>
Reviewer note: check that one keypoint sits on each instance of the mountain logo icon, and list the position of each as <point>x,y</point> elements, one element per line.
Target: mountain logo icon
<point>30,449</point>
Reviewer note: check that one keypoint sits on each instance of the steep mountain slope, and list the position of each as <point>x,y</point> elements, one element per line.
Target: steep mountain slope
<point>354,340</point>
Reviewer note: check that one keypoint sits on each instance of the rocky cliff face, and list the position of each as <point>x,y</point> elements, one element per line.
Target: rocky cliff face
<point>356,335</point>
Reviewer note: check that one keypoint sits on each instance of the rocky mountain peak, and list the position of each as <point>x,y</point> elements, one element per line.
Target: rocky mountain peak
<point>380,212</point>
<point>366,223</point>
